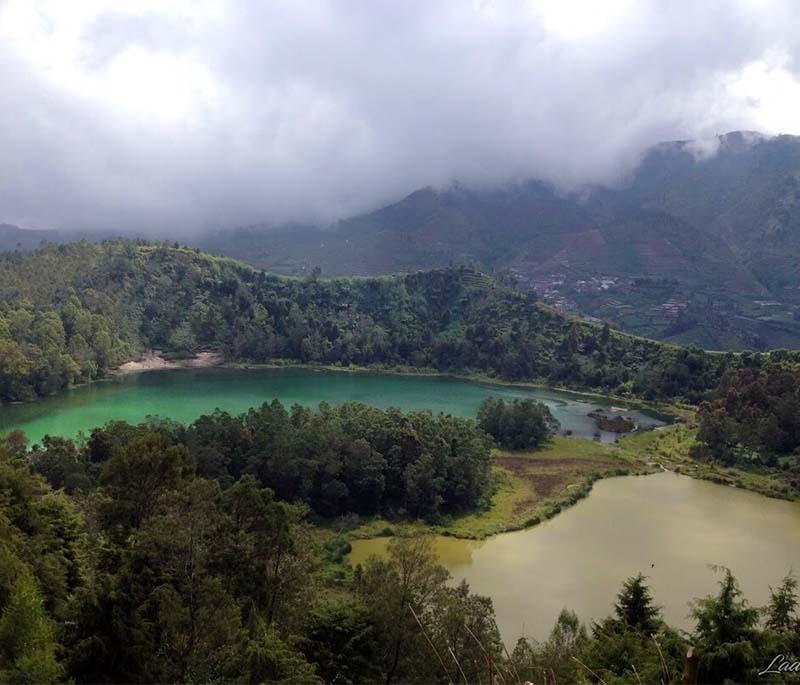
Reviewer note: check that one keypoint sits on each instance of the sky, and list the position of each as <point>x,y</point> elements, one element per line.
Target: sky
<point>185,115</point>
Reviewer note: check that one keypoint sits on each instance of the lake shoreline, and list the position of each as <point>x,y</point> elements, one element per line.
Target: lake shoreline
<point>636,448</point>
<point>154,360</point>
<point>628,524</point>
<point>673,410</point>
<point>380,528</point>
<point>643,454</point>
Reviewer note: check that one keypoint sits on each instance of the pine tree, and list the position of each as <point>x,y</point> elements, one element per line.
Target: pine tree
<point>635,606</point>
<point>783,605</point>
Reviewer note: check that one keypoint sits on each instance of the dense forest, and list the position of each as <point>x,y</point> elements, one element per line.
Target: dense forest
<point>517,425</point>
<point>72,312</point>
<point>337,460</point>
<point>143,568</point>
<point>753,419</point>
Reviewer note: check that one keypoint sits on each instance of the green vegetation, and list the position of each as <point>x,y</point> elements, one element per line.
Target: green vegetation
<point>150,572</point>
<point>121,297</point>
<point>337,460</point>
<point>697,252</point>
<point>673,448</point>
<point>734,641</point>
<point>535,486</point>
<point>528,487</point>
<point>531,486</point>
<point>755,414</point>
<point>45,349</point>
<point>163,552</point>
<point>147,571</point>
<point>518,425</point>
<point>753,422</point>
<point>692,251</point>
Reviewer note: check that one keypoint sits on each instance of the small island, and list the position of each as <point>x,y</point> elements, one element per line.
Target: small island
<point>613,423</point>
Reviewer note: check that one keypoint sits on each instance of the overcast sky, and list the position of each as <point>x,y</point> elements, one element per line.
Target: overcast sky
<point>196,114</point>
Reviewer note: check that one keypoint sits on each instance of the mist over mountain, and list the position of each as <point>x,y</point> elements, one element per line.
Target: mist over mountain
<point>365,138</point>
<point>699,244</point>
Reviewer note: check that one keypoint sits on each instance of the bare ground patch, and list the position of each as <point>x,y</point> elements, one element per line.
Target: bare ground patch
<point>546,478</point>
<point>531,487</point>
<point>153,360</point>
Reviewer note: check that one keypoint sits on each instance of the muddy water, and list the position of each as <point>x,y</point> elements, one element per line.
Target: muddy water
<point>670,527</point>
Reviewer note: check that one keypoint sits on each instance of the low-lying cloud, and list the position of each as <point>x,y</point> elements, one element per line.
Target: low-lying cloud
<point>200,113</point>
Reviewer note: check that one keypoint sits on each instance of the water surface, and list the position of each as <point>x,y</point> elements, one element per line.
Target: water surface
<point>185,394</point>
<point>669,527</point>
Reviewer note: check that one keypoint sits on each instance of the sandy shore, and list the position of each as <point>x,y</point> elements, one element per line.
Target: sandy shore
<point>152,360</point>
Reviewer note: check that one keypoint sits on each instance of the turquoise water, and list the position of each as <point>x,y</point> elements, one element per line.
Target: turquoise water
<point>185,394</point>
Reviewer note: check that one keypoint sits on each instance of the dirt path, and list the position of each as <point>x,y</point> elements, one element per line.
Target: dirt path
<point>153,360</point>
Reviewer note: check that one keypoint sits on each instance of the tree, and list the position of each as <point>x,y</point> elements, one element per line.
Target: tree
<point>521,424</point>
<point>635,644</point>
<point>342,641</point>
<point>781,611</point>
<point>268,558</point>
<point>567,640</point>
<point>463,626</point>
<point>634,606</point>
<point>394,591</point>
<point>270,659</point>
<point>62,464</point>
<point>138,473</point>
<point>725,630</point>
<point>27,636</point>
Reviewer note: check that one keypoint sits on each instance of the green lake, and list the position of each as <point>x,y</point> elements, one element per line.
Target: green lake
<point>670,527</point>
<point>185,394</point>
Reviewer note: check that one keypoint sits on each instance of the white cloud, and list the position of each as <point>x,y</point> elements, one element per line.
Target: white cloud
<point>180,114</point>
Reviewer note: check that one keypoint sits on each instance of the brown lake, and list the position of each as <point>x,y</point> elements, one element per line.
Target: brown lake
<point>670,527</point>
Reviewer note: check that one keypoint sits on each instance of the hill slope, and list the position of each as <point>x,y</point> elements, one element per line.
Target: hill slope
<point>693,247</point>
<point>72,312</point>
<point>701,244</point>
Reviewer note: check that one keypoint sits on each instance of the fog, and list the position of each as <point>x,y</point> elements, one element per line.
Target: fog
<point>171,116</point>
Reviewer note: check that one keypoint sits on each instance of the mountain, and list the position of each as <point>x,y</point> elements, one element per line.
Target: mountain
<point>699,244</point>
<point>16,238</point>
<point>427,229</point>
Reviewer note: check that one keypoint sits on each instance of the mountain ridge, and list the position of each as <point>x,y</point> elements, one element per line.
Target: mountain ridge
<point>700,243</point>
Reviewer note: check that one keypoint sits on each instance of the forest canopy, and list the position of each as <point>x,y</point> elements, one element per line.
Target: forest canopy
<point>351,458</point>
<point>755,414</point>
<point>72,312</point>
<point>144,570</point>
<point>518,425</point>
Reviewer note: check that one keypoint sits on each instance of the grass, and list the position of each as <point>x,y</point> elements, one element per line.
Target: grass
<point>669,447</point>
<point>529,488</point>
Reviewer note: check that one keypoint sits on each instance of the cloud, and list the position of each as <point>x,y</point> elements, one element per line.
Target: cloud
<point>175,115</point>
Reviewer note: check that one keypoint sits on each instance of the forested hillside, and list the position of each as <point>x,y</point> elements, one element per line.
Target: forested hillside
<point>754,418</point>
<point>71,312</point>
<point>699,244</point>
